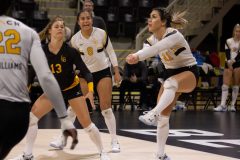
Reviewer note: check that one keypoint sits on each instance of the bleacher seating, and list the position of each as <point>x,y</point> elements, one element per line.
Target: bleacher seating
<point>20,15</point>
<point>27,11</point>
<point>112,21</point>
<point>39,20</point>
<point>124,17</point>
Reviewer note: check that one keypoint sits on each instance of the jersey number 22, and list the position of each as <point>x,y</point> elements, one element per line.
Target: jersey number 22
<point>11,42</point>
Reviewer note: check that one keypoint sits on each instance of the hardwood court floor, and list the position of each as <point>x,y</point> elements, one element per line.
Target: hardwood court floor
<point>193,136</point>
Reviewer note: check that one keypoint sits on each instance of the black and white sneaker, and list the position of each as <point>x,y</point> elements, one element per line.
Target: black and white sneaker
<point>163,157</point>
<point>23,157</point>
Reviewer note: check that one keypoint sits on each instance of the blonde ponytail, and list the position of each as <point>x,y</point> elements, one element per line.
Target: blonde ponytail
<point>178,21</point>
<point>44,33</point>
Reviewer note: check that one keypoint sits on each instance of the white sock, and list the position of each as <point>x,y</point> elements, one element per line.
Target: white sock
<point>71,115</point>
<point>235,90</point>
<point>110,122</point>
<point>94,135</point>
<point>165,100</point>
<point>224,94</point>
<point>30,139</point>
<point>162,134</point>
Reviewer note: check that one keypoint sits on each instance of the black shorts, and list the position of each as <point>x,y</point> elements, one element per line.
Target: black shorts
<point>97,76</point>
<point>235,65</point>
<point>14,121</point>
<point>172,72</point>
<point>72,93</point>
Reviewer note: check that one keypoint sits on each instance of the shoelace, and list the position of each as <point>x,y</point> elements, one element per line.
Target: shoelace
<point>151,114</point>
<point>145,112</point>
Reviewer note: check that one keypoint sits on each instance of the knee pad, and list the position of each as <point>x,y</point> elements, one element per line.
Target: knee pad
<point>107,112</point>
<point>235,89</point>
<point>90,127</point>
<point>224,87</point>
<point>170,83</point>
<point>33,120</point>
<point>162,121</point>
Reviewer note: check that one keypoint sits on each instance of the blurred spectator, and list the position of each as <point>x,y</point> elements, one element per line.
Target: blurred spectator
<point>68,34</point>
<point>214,59</point>
<point>134,77</point>
<point>204,68</point>
<point>97,21</point>
<point>155,79</point>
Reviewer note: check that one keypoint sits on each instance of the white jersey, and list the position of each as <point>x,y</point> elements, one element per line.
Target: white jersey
<point>173,50</point>
<point>94,49</point>
<point>234,46</point>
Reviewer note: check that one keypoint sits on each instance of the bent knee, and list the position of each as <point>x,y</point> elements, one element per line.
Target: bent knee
<point>171,83</point>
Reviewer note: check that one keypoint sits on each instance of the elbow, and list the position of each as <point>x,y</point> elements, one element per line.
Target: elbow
<point>45,77</point>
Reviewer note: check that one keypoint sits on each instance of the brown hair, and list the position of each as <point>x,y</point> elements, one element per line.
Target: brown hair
<point>44,34</point>
<point>90,1</point>
<point>174,20</point>
<point>84,10</point>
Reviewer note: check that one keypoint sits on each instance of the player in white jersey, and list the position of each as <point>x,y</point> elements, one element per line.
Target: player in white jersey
<point>181,71</point>
<point>231,74</point>
<point>93,44</point>
<point>18,45</point>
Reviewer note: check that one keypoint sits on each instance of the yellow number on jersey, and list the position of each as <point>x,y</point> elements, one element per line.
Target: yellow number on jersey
<point>57,68</point>
<point>90,51</point>
<point>1,47</point>
<point>13,38</point>
<point>167,57</point>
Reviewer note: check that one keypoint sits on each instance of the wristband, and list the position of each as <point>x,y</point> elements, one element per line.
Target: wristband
<point>90,86</point>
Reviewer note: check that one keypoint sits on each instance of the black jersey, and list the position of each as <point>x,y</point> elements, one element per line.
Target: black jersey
<point>62,66</point>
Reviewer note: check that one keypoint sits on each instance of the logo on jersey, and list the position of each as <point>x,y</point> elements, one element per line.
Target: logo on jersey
<point>166,56</point>
<point>63,59</point>
<point>90,51</point>
<point>78,93</point>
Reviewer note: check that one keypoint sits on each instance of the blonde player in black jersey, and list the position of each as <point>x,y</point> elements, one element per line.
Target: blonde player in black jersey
<point>96,50</point>
<point>231,74</point>
<point>180,75</point>
<point>61,60</point>
<point>18,45</point>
